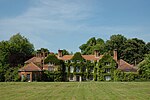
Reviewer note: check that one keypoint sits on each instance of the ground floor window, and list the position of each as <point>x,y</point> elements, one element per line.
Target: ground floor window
<point>22,77</point>
<point>84,78</point>
<point>71,76</point>
<point>107,78</point>
<point>34,76</point>
<point>28,77</point>
<point>91,77</point>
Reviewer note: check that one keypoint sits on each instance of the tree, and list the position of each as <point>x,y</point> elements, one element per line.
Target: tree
<point>144,67</point>
<point>13,53</point>
<point>91,45</point>
<point>65,52</point>
<point>42,50</point>
<point>148,47</point>
<point>134,50</point>
<point>116,42</point>
<point>4,52</point>
<point>20,49</point>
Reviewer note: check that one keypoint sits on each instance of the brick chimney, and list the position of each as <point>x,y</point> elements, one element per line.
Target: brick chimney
<point>115,55</point>
<point>96,53</point>
<point>60,53</point>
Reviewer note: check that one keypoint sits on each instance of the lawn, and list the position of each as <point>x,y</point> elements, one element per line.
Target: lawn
<point>75,91</point>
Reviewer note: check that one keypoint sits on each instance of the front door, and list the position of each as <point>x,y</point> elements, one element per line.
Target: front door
<point>77,78</point>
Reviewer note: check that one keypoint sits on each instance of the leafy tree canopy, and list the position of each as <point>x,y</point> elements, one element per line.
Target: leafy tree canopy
<point>144,67</point>
<point>42,50</point>
<point>65,52</point>
<point>91,45</point>
<point>134,50</point>
<point>116,42</point>
<point>16,50</point>
<point>148,47</point>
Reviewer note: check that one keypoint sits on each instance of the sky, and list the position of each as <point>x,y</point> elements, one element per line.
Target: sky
<point>67,24</point>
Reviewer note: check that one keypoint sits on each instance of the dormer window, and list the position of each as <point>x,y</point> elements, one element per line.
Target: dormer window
<point>66,61</point>
<point>92,61</point>
<point>107,63</point>
<point>50,64</point>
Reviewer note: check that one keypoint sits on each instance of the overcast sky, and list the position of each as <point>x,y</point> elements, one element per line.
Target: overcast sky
<point>66,24</point>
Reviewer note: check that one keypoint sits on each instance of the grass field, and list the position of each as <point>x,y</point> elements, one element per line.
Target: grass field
<point>75,91</point>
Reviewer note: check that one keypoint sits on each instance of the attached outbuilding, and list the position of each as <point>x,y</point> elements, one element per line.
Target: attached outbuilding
<point>30,72</point>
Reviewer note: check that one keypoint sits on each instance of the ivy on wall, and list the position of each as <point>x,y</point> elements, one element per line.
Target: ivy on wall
<point>105,63</point>
<point>52,59</point>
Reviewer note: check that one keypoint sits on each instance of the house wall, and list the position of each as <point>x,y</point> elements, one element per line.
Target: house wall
<point>37,75</point>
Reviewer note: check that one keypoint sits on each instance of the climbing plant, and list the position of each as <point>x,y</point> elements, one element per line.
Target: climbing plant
<point>105,67</point>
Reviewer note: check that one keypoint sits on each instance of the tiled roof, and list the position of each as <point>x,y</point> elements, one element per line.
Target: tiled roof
<point>91,57</point>
<point>34,60</point>
<point>30,67</point>
<point>87,57</point>
<point>65,57</point>
<point>124,66</point>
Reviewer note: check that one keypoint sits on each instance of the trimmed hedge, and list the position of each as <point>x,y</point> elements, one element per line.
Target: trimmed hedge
<point>125,76</point>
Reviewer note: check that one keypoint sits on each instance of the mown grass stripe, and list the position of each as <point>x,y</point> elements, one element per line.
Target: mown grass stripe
<point>75,91</point>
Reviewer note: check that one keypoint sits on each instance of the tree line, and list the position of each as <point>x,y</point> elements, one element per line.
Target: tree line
<point>131,50</point>
<point>15,51</point>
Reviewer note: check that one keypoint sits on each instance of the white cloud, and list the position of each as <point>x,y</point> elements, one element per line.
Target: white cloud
<point>47,18</point>
<point>46,15</point>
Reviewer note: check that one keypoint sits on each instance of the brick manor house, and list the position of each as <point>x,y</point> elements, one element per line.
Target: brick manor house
<point>35,66</point>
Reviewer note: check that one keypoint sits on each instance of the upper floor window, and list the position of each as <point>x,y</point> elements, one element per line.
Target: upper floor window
<point>84,69</point>
<point>71,69</point>
<point>91,69</point>
<point>66,69</point>
<point>78,61</point>
<point>72,61</point>
<point>107,70</point>
<point>77,69</point>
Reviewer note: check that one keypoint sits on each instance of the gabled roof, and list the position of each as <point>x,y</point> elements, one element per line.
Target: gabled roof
<point>124,66</point>
<point>34,60</point>
<point>30,67</point>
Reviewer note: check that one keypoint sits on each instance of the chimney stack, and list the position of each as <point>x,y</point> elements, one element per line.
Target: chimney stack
<point>96,53</point>
<point>60,53</point>
<point>115,55</point>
